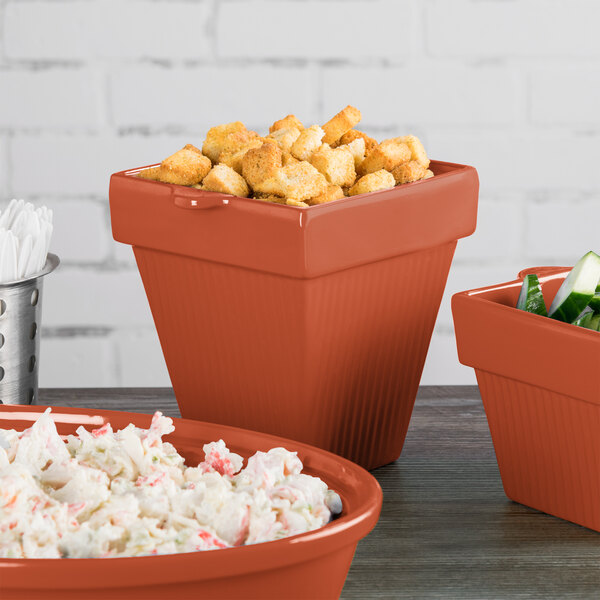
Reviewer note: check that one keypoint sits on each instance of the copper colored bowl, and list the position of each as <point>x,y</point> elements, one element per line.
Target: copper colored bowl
<point>310,323</point>
<point>309,565</point>
<point>540,384</point>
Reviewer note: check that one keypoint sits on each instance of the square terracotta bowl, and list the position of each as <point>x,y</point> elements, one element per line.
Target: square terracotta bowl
<point>540,385</point>
<point>310,323</point>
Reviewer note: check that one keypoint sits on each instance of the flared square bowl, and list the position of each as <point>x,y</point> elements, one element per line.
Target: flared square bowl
<point>540,385</point>
<point>310,323</point>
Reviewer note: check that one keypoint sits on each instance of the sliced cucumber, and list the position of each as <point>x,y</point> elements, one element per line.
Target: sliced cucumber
<point>594,323</point>
<point>577,289</point>
<point>583,320</point>
<point>531,298</point>
<point>595,301</point>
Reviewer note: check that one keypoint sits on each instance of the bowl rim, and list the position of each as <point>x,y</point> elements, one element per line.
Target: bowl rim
<point>494,336</point>
<point>216,198</point>
<point>196,566</point>
<point>545,273</point>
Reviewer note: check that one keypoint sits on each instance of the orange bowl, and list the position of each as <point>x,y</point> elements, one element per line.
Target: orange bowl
<point>309,565</point>
<point>323,313</point>
<point>540,385</point>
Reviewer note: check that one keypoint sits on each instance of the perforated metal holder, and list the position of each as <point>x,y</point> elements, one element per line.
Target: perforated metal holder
<point>20,321</point>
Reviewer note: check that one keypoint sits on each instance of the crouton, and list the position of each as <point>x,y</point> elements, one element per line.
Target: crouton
<point>337,126</point>
<point>417,150</point>
<point>261,163</point>
<point>337,164</point>
<point>409,172</point>
<point>268,198</point>
<point>186,167</point>
<point>379,180</point>
<point>299,181</point>
<point>225,180</point>
<point>293,202</point>
<point>238,139</point>
<point>287,123</point>
<point>287,158</point>
<point>234,160</point>
<point>357,149</point>
<point>333,192</point>
<point>151,173</point>
<point>285,137</point>
<point>386,156</point>
<point>216,137</point>
<point>236,146</point>
<point>354,134</point>
<point>307,142</point>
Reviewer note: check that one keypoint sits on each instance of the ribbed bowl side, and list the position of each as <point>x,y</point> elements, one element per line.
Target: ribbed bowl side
<point>368,334</point>
<point>333,361</point>
<point>547,446</point>
<point>232,340</point>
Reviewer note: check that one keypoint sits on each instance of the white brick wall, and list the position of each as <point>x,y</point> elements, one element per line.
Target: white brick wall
<point>89,87</point>
<point>140,359</point>
<point>79,165</point>
<point>472,29</point>
<point>199,97</point>
<point>77,361</point>
<point>566,96</point>
<point>83,297</point>
<point>4,168</point>
<point>50,99</point>
<point>81,231</point>
<point>87,30</point>
<point>314,30</point>
<point>455,94</point>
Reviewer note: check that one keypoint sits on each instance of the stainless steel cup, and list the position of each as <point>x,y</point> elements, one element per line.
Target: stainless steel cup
<point>20,321</point>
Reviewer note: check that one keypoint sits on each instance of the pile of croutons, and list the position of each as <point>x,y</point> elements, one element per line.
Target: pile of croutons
<point>295,165</point>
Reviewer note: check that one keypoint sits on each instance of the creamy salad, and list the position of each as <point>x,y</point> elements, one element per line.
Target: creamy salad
<point>105,493</point>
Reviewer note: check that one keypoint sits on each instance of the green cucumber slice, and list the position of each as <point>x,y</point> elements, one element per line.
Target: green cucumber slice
<point>594,323</point>
<point>595,301</point>
<point>577,289</point>
<point>584,319</point>
<point>531,298</point>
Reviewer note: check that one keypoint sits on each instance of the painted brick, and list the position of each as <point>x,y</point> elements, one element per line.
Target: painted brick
<point>457,74</point>
<point>499,232</point>
<point>206,96</point>
<point>315,30</point>
<point>523,161</point>
<point>81,231</point>
<point>566,96</point>
<point>83,297</point>
<point>435,95</point>
<point>75,165</point>
<point>83,30</point>
<point>528,28</point>
<point>141,362</point>
<point>123,254</point>
<point>77,362</point>
<point>442,366</point>
<point>4,168</point>
<point>562,231</point>
<point>471,276</point>
<point>53,98</point>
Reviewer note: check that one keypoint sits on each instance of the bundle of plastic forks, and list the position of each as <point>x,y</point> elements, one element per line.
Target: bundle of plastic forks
<point>25,234</point>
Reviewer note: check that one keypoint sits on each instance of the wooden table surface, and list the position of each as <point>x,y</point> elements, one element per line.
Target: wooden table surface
<point>446,529</point>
